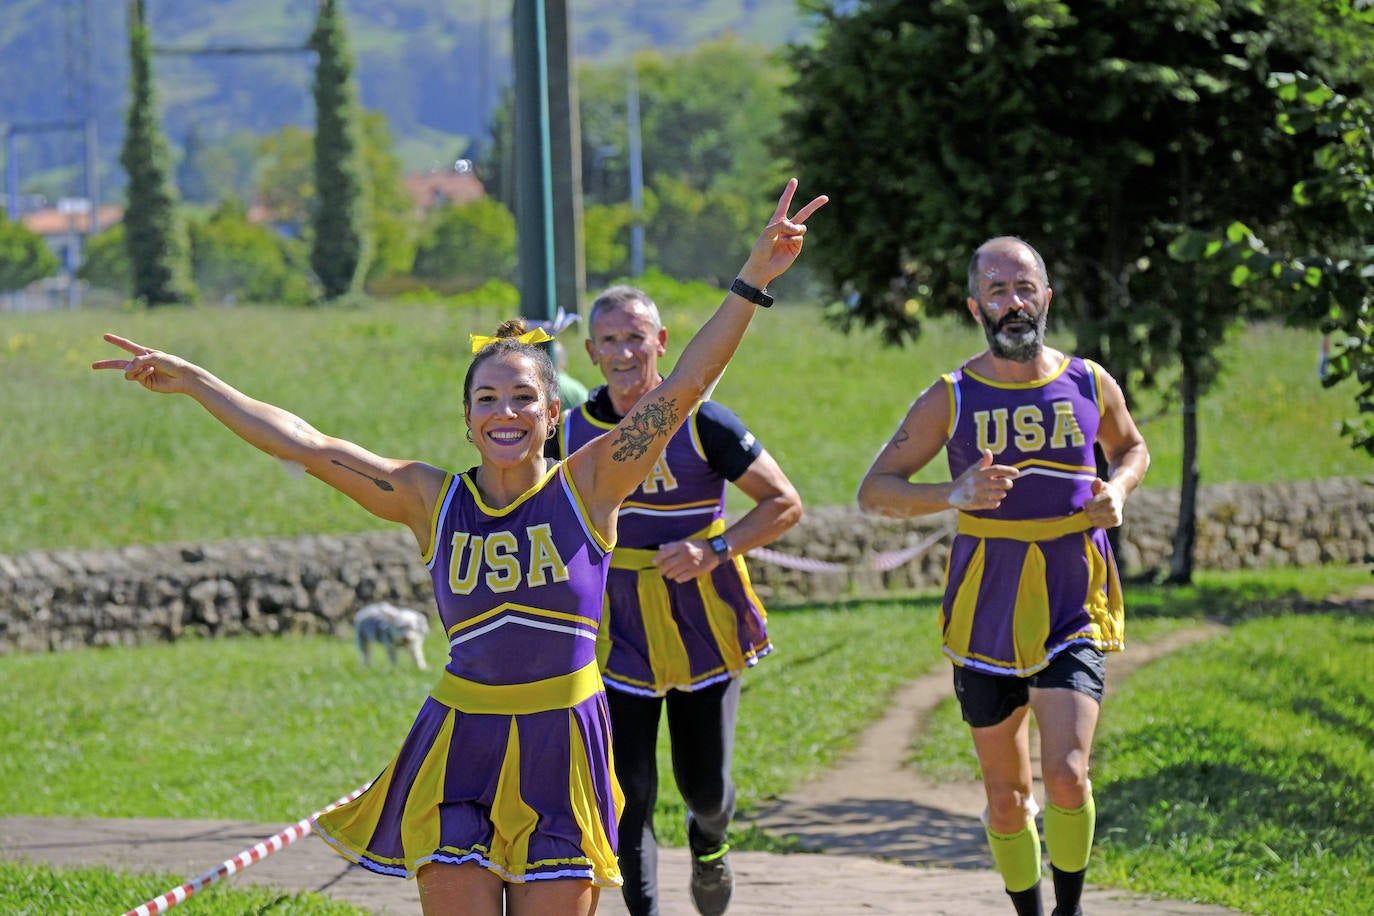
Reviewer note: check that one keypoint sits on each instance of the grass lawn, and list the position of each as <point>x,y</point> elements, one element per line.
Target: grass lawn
<point>1244,793</point>
<point>272,729</point>
<point>95,462</point>
<point>1240,772</point>
<point>1237,773</point>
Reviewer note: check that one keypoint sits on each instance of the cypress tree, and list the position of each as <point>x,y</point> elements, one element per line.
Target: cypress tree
<point>154,234</point>
<point>340,247</point>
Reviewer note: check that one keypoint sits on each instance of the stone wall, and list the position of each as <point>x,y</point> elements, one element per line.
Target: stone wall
<point>54,600</point>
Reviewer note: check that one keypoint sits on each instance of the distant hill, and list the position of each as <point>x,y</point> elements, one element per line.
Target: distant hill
<point>435,69</point>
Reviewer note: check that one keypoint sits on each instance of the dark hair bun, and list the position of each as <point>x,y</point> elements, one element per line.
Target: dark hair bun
<point>512,328</point>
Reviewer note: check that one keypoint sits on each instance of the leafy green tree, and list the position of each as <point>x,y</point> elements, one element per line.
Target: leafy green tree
<point>285,182</point>
<point>24,256</point>
<point>689,233</point>
<point>709,120</point>
<point>286,188</point>
<point>235,259</point>
<point>213,169</point>
<point>106,261</point>
<point>604,242</point>
<point>1081,126</point>
<point>1336,286</point>
<point>154,231</point>
<point>1087,128</point>
<point>464,246</point>
<point>708,117</point>
<point>393,225</point>
<point>340,245</point>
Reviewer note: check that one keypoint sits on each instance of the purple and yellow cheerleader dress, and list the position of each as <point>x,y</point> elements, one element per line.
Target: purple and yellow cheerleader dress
<point>1033,576</point>
<point>660,635</point>
<point>508,763</point>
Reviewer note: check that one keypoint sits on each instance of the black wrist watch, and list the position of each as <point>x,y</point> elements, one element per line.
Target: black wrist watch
<point>721,548</point>
<point>752,293</point>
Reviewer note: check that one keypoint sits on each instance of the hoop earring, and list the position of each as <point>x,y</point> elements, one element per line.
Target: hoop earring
<point>469,433</point>
<point>553,431</point>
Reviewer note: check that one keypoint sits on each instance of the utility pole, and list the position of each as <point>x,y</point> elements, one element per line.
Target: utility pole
<point>548,162</point>
<point>636,151</point>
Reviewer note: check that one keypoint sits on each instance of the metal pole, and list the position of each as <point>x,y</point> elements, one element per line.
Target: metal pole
<point>636,173</point>
<point>11,176</point>
<point>529,140</point>
<point>565,148</point>
<point>547,169</point>
<point>92,178</point>
<point>541,33</point>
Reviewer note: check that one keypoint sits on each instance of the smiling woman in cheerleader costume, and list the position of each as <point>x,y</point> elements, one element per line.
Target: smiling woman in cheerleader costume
<point>502,797</point>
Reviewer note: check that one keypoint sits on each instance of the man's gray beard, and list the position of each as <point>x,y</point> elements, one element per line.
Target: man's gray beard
<point>1023,348</point>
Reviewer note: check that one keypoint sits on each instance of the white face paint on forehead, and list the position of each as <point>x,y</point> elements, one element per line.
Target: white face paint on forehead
<point>991,273</point>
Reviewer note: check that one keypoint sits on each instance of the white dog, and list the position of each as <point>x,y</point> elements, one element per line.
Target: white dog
<point>391,626</point>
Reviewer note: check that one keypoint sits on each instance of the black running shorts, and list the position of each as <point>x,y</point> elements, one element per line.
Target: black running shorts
<point>987,699</point>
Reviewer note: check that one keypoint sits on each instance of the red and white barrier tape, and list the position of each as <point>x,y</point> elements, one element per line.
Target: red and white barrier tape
<point>885,561</point>
<point>164,902</point>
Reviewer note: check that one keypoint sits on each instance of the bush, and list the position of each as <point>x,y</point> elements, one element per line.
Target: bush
<point>106,264</point>
<point>462,247</point>
<point>24,257</point>
<point>232,258</point>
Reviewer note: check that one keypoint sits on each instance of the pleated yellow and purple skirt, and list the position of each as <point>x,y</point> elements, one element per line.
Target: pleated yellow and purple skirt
<point>658,635</point>
<point>516,778</point>
<point>1019,592</point>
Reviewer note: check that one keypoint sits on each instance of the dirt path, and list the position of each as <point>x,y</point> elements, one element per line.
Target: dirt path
<point>872,804</point>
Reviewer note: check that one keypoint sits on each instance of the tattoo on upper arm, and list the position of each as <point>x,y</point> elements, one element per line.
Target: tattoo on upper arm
<point>902,436</point>
<point>381,484</point>
<point>645,425</point>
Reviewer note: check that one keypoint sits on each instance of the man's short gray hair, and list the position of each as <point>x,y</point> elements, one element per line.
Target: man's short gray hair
<point>620,296</point>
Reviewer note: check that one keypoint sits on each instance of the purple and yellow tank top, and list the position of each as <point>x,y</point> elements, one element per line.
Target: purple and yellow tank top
<point>660,635</point>
<point>680,497</point>
<point>519,589</point>
<point>1045,428</point>
<point>1031,577</point>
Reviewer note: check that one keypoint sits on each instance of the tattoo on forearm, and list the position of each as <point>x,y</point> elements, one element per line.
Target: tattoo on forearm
<point>381,484</point>
<point>901,437</point>
<point>646,424</point>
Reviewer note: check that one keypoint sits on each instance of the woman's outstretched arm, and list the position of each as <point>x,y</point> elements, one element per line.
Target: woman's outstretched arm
<point>392,489</point>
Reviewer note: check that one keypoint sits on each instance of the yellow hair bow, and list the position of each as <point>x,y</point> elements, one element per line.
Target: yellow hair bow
<point>537,336</point>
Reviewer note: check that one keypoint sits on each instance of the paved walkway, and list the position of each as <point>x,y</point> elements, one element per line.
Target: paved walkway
<point>894,843</point>
<point>767,883</point>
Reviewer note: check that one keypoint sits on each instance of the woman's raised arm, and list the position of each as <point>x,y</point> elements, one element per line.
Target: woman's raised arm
<point>607,469</point>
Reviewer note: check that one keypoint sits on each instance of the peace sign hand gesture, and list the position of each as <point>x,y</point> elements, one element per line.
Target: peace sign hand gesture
<point>153,369</point>
<point>781,240</point>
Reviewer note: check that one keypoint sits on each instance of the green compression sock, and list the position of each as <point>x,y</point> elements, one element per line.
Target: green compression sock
<point>1017,856</point>
<point>1069,835</point>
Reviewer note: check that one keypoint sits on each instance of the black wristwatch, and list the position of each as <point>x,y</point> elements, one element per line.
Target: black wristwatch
<point>752,293</point>
<point>721,548</point>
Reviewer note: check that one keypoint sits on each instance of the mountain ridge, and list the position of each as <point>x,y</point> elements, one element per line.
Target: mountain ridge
<point>435,70</point>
